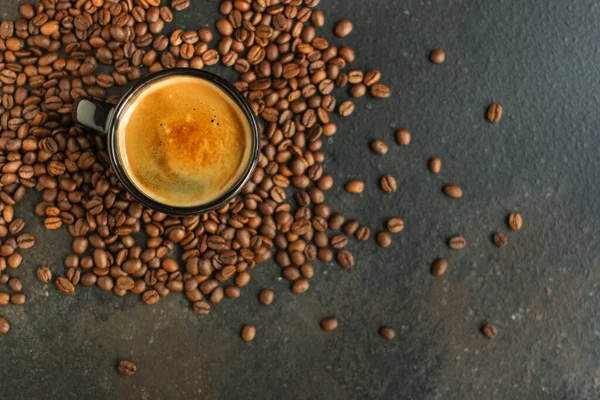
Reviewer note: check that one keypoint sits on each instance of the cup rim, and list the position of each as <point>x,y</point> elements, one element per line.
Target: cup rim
<point>147,201</point>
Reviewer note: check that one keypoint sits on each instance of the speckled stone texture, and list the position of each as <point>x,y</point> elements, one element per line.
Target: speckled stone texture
<point>539,59</point>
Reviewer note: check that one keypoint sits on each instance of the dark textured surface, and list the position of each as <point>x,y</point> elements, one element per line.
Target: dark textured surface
<point>538,59</point>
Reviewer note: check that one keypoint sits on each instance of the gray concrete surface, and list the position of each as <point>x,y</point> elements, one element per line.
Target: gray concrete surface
<point>540,60</point>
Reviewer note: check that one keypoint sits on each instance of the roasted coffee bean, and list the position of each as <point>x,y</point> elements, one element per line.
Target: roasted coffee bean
<point>371,77</point>
<point>4,326</point>
<point>346,108</point>
<point>18,299</point>
<point>346,259</point>
<point>500,239</point>
<point>439,267</point>
<point>395,225</point>
<point>150,297</point>
<point>437,56</point>
<point>387,332</point>
<point>515,221</point>
<point>266,296</point>
<point>435,165</point>
<point>300,286</point>
<point>453,191</point>
<point>65,286</point>
<point>388,184</point>
<point>127,368</point>
<point>383,239</point>
<point>248,333</point>
<point>45,275</point>
<point>403,137</point>
<point>15,284</point>
<point>363,233</point>
<point>494,113</point>
<point>355,187</point>
<point>201,308</point>
<point>490,331</point>
<point>180,5</point>
<point>379,147</point>
<point>25,241</point>
<point>343,28</point>
<point>380,91</point>
<point>329,324</point>
<point>457,243</point>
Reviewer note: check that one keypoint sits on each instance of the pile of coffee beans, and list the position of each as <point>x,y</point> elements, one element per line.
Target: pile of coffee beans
<point>60,50</point>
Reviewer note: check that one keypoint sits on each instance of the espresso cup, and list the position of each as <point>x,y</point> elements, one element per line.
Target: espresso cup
<point>181,141</point>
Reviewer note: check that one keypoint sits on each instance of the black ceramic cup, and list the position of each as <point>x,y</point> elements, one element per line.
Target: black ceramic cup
<point>104,118</point>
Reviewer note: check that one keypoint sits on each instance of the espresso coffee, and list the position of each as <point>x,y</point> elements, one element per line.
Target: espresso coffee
<point>183,141</point>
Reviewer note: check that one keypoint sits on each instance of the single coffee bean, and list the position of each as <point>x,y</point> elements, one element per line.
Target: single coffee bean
<point>201,308</point>
<point>383,239</point>
<point>494,113</point>
<point>439,267</point>
<point>25,241</point>
<point>343,28</point>
<point>346,108</point>
<point>4,326</point>
<point>44,274</point>
<point>266,296</point>
<point>403,137</point>
<point>371,77</point>
<point>358,90</point>
<point>500,239</point>
<point>329,324</point>
<point>346,259</point>
<point>363,233</point>
<point>379,147</point>
<point>15,284</point>
<point>355,187</point>
<point>65,286</point>
<point>453,191</point>
<point>336,221</point>
<point>457,243</point>
<point>18,299</point>
<point>339,241</point>
<point>395,225</point>
<point>317,18</point>
<point>126,367</point>
<point>435,165</point>
<point>380,91</point>
<point>388,184</point>
<point>387,332</point>
<point>437,56</point>
<point>4,298</point>
<point>248,333</point>
<point>150,297</point>
<point>300,286</point>
<point>515,221</point>
<point>490,331</point>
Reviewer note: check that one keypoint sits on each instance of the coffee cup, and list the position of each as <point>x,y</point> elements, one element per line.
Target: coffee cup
<point>181,141</point>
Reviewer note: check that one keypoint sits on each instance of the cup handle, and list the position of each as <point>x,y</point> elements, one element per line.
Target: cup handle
<point>93,114</point>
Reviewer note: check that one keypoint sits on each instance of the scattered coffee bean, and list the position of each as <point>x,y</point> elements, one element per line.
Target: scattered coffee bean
<point>44,274</point>
<point>386,332</point>
<point>494,113</point>
<point>343,28</point>
<point>363,233</point>
<point>490,331</point>
<point>435,165</point>
<point>515,221</point>
<point>388,184</point>
<point>379,147</point>
<point>4,326</point>
<point>329,324</point>
<point>65,286</point>
<point>300,286</point>
<point>403,137</point>
<point>439,267</point>
<point>457,243</point>
<point>453,191</point>
<point>355,187</point>
<point>383,239</point>
<point>346,259</point>
<point>380,91</point>
<point>266,296</point>
<point>500,239</point>
<point>437,56</point>
<point>395,225</point>
<point>126,368</point>
<point>248,333</point>
<point>346,108</point>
